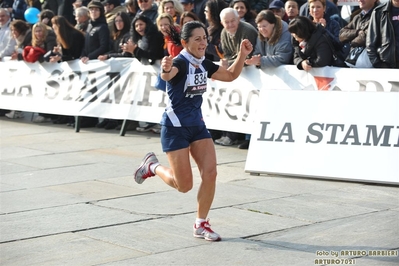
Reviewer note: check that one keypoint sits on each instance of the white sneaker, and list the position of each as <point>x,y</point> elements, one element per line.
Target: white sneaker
<point>41,119</point>
<point>14,114</point>
<point>205,231</point>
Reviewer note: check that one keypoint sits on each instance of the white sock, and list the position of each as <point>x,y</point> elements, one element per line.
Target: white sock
<point>199,221</point>
<point>153,166</point>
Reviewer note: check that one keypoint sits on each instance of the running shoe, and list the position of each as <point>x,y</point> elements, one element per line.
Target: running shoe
<point>143,171</point>
<point>205,231</point>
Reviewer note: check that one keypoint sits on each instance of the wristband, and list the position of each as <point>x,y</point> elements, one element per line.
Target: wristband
<point>163,71</point>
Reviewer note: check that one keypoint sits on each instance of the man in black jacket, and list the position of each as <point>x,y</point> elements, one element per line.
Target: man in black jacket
<point>356,31</point>
<point>383,36</point>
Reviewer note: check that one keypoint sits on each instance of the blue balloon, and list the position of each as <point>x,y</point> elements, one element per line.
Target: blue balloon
<point>32,15</point>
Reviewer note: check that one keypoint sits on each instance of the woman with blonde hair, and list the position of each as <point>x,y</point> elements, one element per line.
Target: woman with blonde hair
<point>173,8</point>
<point>171,33</point>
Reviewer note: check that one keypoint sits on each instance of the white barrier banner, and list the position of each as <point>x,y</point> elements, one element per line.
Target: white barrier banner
<point>329,122</point>
<point>349,135</point>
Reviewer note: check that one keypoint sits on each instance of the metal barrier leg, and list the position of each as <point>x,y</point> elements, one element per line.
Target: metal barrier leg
<point>124,127</point>
<point>77,123</point>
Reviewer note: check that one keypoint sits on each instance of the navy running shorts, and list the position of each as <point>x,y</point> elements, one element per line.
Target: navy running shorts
<point>176,138</point>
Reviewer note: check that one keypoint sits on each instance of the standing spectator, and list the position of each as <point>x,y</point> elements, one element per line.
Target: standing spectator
<point>18,9</point>
<point>70,40</point>
<point>383,36</point>
<point>97,36</point>
<point>146,42</point>
<point>291,9</point>
<point>188,16</point>
<point>355,32</point>
<point>331,9</point>
<point>7,4</point>
<point>317,13</point>
<point>112,7</point>
<point>131,8</point>
<point>45,16</point>
<point>212,11</point>
<point>21,32</point>
<point>231,37</point>
<point>277,7</point>
<point>121,35</point>
<point>244,11</point>
<point>96,43</point>
<point>199,7</point>
<point>258,5</point>
<point>61,8</point>
<point>188,5</point>
<point>35,3</point>
<point>43,40</point>
<point>70,43</point>
<point>171,34</point>
<point>7,42</point>
<point>173,8</point>
<point>311,45</point>
<point>234,32</point>
<point>273,47</point>
<point>82,17</point>
<point>149,9</point>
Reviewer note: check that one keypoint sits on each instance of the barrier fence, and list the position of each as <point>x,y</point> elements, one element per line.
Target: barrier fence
<point>298,119</point>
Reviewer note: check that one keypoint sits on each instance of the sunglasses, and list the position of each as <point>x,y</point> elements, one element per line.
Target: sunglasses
<point>143,1</point>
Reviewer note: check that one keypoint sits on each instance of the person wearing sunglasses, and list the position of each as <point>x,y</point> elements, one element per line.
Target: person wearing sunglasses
<point>149,9</point>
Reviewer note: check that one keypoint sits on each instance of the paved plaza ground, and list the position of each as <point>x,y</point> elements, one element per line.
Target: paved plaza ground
<point>69,198</point>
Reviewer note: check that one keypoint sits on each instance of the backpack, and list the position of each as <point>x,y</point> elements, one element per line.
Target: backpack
<point>339,51</point>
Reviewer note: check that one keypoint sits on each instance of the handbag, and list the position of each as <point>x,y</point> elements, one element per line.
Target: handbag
<point>358,58</point>
<point>353,55</point>
<point>160,84</point>
<point>337,56</point>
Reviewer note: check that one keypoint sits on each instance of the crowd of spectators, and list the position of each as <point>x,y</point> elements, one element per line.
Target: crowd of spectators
<point>307,34</point>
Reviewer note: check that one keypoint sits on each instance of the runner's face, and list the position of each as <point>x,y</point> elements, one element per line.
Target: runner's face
<point>197,43</point>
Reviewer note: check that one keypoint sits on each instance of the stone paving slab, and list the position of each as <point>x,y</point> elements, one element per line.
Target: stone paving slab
<point>372,231</point>
<point>299,207</point>
<point>56,220</point>
<point>230,252</point>
<point>11,168</point>
<point>63,249</point>
<point>64,175</point>
<point>35,199</point>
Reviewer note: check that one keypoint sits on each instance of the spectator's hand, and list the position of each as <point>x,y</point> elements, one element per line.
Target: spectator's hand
<point>323,22</point>
<point>84,59</point>
<point>14,56</point>
<point>129,47</point>
<point>246,47</point>
<point>305,65</point>
<point>254,60</point>
<point>55,59</point>
<point>102,57</point>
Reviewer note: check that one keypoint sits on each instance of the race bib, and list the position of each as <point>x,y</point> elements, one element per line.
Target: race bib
<point>196,83</point>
